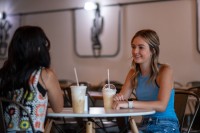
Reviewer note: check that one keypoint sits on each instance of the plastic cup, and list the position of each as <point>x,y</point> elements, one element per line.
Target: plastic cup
<point>109,90</point>
<point>78,98</point>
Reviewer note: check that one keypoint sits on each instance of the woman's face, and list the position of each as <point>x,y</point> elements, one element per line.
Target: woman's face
<point>140,51</point>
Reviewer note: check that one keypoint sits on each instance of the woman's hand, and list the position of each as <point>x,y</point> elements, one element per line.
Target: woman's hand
<point>118,97</point>
<point>120,104</point>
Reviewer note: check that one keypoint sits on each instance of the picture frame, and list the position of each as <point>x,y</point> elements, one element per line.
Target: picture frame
<point>83,22</point>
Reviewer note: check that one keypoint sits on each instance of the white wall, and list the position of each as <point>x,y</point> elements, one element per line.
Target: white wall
<point>174,21</point>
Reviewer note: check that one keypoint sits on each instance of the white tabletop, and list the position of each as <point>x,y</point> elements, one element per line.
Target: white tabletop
<point>100,112</point>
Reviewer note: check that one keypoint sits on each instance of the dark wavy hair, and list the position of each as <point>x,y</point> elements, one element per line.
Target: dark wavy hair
<point>28,51</point>
<point>152,39</point>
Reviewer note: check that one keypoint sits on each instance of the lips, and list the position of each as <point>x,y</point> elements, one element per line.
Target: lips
<point>136,56</point>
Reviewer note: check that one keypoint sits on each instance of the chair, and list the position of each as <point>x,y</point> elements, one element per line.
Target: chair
<point>193,84</point>
<point>177,84</point>
<point>195,89</point>
<point>2,119</point>
<point>6,101</point>
<point>65,82</point>
<point>196,125</point>
<point>181,100</point>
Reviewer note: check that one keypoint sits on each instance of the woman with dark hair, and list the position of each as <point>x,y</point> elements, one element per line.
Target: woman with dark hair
<point>153,84</point>
<point>26,77</point>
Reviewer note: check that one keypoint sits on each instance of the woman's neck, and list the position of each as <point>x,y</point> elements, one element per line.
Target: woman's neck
<point>145,69</point>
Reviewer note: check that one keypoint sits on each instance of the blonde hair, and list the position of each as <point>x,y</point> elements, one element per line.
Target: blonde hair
<point>152,39</point>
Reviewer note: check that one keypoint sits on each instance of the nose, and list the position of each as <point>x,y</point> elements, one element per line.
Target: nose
<point>135,50</point>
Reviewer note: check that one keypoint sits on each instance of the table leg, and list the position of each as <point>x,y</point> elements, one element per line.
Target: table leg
<point>89,127</point>
<point>48,126</point>
<point>134,128</point>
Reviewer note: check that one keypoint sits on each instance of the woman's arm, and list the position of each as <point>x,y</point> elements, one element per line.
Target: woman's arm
<point>126,89</point>
<point>54,92</point>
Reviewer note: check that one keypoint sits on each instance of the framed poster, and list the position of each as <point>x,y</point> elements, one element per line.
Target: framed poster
<point>109,38</point>
<point>7,28</point>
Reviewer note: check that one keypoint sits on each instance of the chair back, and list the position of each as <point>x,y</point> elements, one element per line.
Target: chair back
<point>181,100</point>
<point>196,125</point>
<point>2,119</point>
<point>177,84</point>
<point>193,83</point>
<point>195,89</point>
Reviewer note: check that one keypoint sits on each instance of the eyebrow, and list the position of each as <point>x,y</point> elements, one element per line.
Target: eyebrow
<point>137,45</point>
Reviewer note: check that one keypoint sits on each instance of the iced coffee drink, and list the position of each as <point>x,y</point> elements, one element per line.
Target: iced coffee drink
<point>78,98</point>
<point>108,91</point>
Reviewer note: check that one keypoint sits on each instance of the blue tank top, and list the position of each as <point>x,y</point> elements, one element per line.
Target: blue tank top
<point>147,91</point>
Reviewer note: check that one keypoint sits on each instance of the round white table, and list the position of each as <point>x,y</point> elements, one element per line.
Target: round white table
<point>96,112</point>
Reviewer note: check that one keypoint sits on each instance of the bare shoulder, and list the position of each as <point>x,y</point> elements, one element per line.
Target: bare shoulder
<point>130,73</point>
<point>48,77</point>
<point>165,71</point>
<point>53,89</point>
<point>48,73</point>
<point>165,76</point>
<point>165,68</point>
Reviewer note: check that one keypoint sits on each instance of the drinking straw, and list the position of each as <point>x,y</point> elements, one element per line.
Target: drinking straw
<point>108,78</point>
<point>76,76</point>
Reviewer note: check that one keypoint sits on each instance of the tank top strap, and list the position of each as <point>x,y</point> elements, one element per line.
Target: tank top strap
<point>35,77</point>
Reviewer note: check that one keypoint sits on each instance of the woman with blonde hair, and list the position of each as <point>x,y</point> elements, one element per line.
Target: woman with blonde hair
<point>153,84</point>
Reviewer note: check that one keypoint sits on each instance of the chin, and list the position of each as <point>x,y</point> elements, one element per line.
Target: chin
<point>138,61</point>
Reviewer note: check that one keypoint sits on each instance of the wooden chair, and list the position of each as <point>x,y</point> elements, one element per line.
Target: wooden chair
<point>181,100</point>
<point>3,126</point>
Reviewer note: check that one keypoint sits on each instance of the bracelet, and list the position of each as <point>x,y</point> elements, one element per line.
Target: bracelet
<point>130,104</point>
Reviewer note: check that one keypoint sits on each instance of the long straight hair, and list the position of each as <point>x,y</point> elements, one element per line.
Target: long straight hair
<point>28,51</point>
<point>152,39</point>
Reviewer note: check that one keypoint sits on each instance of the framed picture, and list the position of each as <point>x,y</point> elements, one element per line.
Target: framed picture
<point>8,26</point>
<point>84,32</point>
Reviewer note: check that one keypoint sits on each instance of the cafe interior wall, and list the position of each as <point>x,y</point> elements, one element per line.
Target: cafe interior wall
<point>174,21</point>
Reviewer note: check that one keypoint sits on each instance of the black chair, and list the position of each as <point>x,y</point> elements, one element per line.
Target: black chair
<point>181,100</point>
<point>196,125</point>
<point>3,126</point>
<point>2,119</point>
<point>177,84</point>
<point>193,84</point>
